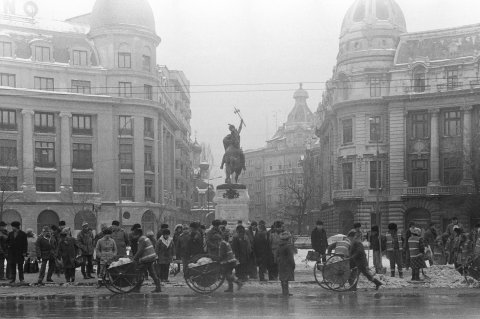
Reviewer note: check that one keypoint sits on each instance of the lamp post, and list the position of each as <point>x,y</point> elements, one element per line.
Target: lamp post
<point>120,132</point>
<point>377,185</point>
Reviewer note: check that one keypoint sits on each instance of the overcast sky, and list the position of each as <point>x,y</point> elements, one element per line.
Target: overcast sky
<point>254,42</point>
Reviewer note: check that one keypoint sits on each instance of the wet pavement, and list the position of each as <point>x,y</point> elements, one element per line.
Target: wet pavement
<point>252,302</point>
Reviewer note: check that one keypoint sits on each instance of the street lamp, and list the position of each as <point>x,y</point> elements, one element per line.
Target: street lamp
<point>120,132</point>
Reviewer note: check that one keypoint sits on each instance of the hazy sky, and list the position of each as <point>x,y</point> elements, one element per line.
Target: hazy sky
<point>255,42</point>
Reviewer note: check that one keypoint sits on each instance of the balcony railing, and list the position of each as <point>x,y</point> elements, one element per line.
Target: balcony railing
<point>348,193</point>
<point>439,190</point>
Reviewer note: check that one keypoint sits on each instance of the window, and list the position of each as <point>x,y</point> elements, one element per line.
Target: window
<point>126,156</point>
<point>82,156</point>
<point>452,79</point>
<point>81,124</point>
<point>347,174</point>
<point>373,174</point>
<point>42,54</point>
<point>419,173</point>
<point>82,185</point>
<point>6,49</point>
<point>419,80</point>
<point>8,120</point>
<point>46,84</point>
<point>375,87</point>
<point>45,184</point>
<point>375,128</point>
<point>148,127</point>
<point>82,87</point>
<point>125,125</point>
<point>452,170</point>
<point>125,89</point>
<point>148,190</point>
<point>7,79</point>
<point>343,88</point>
<point>420,128</point>
<point>8,183</point>
<point>347,126</point>
<point>146,63</point>
<point>148,90</point>
<point>149,159</point>
<point>44,123</point>
<point>44,154</point>
<point>8,153</point>
<point>126,188</point>
<point>80,57</point>
<point>452,124</point>
<point>124,60</point>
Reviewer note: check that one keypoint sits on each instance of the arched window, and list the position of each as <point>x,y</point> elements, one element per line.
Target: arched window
<point>148,221</point>
<point>419,79</point>
<point>85,216</point>
<point>47,218</point>
<point>11,215</point>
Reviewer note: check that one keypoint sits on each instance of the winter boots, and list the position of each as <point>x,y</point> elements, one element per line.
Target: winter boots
<point>400,274</point>
<point>392,273</point>
<point>285,291</point>
<point>377,283</point>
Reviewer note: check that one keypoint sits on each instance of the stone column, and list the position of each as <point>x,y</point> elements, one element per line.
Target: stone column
<point>434,148</point>
<point>161,163</point>
<point>467,144</point>
<point>139,157</point>
<point>65,153</point>
<point>28,185</point>
<point>156,139</point>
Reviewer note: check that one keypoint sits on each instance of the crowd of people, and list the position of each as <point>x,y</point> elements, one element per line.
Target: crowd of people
<point>251,253</point>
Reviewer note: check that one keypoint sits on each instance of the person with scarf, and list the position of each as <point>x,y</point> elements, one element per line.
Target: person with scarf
<point>106,250</point>
<point>67,251</point>
<point>165,250</point>
<point>46,246</point>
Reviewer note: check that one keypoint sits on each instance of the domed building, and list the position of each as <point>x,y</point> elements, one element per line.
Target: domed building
<point>398,123</point>
<point>89,129</point>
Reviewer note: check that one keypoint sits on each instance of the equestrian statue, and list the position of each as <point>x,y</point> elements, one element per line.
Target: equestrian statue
<point>233,159</point>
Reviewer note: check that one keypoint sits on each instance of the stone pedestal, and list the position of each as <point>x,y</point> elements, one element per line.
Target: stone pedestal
<point>232,203</point>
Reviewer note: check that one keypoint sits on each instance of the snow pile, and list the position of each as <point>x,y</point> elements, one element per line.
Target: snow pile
<point>120,262</point>
<point>200,262</point>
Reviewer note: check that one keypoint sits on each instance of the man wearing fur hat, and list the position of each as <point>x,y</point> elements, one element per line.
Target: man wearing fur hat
<point>17,251</point>
<point>395,244</point>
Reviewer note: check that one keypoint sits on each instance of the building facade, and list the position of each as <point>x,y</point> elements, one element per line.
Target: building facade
<point>271,168</point>
<point>91,127</point>
<point>399,120</point>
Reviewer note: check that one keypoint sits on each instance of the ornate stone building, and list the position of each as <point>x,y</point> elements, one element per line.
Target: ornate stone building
<point>277,163</point>
<point>91,128</point>
<point>403,107</point>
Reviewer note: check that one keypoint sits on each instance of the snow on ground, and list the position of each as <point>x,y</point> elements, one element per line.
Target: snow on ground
<point>439,276</point>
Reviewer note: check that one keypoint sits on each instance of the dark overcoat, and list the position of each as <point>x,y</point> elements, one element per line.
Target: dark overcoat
<point>286,262</point>
<point>17,246</point>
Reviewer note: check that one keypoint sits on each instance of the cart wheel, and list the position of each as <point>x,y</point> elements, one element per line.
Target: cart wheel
<point>337,274</point>
<point>204,279</point>
<point>123,283</point>
<point>317,273</point>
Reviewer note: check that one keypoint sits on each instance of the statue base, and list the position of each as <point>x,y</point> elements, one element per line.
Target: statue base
<point>232,203</point>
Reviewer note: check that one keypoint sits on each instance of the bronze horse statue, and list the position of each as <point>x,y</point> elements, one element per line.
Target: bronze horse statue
<point>234,159</point>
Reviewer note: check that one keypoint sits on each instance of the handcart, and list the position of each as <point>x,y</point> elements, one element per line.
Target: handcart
<point>204,278</point>
<point>335,274</point>
<point>124,278</point>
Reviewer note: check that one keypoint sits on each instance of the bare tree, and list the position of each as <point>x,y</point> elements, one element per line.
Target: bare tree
<point>8,184</point>
<point>298,193</point>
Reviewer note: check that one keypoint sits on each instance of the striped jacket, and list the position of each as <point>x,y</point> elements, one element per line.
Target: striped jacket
<point>146,251</point>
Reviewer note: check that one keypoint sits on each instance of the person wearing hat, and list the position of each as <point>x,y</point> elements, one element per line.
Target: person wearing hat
<point>46,246</point>
<point>261,250</point>
<point>417,250</point>
<point>358,259</point>
<point>286,262</point>
<point>68,251</point>
<point>274,241</point>
<point>106,250</point>
<point>97,237</point>
<point>165,250</point>
<point>395,244</point>
<point>133,243</point>
<point>3,248</point>
<point>460,247</point>
<point>252,264</point>
<point>319,240</point>
<point>17,251</point>
<point>85,242</point>
<point>121,239</point>
<point>31,261</point>
<point>242,249</point>
<point>146,258</point>
<point>375,246</point>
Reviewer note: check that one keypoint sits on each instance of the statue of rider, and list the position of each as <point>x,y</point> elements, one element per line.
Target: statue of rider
<point>233,139</point>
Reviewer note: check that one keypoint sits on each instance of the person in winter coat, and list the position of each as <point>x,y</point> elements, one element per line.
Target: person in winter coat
<point>273,242</point>
<point>97,237</point>
<point>165,250</point>
<point>358,259</point>
<point>227,260</point>
<point>286,262</point>
<point>133,243</point>
<point>85,243</point>
<point>106,250</point>
<point>252,263</point>
<point>67,251</point>
<point>146,257</point>
<point>121,239</point>
<point>17,251</point>
<point>194,242</point>
<point>319,240</point>
<point>395,244</point>
<point>261,250</point>
<point>375,246</point>
<point>429,238</point>
<point>31,261</point>
<point>242,249</point>
<point>46,247</point>
<point>3,248</point>
<point>176,242</point>
<point>417,250</point>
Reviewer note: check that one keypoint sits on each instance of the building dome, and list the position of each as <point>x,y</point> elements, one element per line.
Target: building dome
<point>137,13</point>
<point>385,14</point>
<point>300,112</point>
